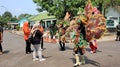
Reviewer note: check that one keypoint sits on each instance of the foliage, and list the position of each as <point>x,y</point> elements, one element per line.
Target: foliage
<point>105,4</point>
<point>23,15</point>
<point>14,19</point>
<point>7,14</point>
<point>17,27</point>
<point>6,17</point>
<point>60,7</point>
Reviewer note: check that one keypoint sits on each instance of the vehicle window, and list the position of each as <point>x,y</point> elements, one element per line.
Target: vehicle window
<point>110,23</point>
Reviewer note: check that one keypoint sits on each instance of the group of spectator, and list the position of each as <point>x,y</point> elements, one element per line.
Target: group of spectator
<point>37,30</point>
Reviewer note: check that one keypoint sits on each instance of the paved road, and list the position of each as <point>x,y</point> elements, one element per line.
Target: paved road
<point>108,54</point>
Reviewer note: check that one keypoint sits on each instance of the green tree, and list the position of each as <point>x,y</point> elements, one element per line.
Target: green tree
<point>104,4</point>
<point>23,15</point>
<point>14,19</point>
<point>7,14</point>
<point>6,17</point>
<point>60,7</point>
<point>1,20</point>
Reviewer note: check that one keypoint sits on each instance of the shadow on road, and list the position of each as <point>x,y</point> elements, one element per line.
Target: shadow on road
<point>88,49</point>
<point>46,56</point>
<point>43,49</point>
<point>68,48</point>
<point>6,51</point>
<point>98,51</point>
<point>73,60</point>
<point>89,61</point>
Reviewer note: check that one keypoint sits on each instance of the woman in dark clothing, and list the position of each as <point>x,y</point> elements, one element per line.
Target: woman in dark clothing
<point>118,32</point>
<point>36,44</point>
<point>1,40</point>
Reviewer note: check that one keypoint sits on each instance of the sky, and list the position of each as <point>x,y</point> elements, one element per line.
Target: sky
<point>17,7</point>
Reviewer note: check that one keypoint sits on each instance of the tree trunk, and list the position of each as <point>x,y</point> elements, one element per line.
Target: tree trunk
<point>104,11</point>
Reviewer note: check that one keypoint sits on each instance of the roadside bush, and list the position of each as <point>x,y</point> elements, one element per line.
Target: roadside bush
<point>17,28</point>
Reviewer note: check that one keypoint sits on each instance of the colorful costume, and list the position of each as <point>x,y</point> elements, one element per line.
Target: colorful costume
<point>62,37</point>
<point>95,22</point>
<point>79,44</point>
<point>95,28</point>
<point>82,42</point>
<point>95,25</point>
<point>93,46</point>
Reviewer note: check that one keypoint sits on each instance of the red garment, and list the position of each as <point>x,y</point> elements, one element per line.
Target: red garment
<point>93,45</point>
<point>26,30</point>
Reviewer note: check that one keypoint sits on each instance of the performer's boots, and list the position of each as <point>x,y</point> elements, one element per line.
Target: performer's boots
<point>82,59</point>
<point>60,43</point>
<point>119,38</point>
<point>77,60</point>
<point>63,46</point>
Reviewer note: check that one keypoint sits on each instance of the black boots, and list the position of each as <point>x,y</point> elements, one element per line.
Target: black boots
<point>62,46</point>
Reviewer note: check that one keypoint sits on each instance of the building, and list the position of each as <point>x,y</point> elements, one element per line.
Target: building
<point>12,25</point>
<point>45,17</point>
<point>21,22</point>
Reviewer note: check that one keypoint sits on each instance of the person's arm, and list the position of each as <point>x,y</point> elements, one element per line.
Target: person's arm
<point>116,28</point>
<point>1,36</point>
<point>27,31</point>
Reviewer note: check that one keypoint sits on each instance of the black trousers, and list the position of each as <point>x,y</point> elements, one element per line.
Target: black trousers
<point>79,50</point>
<point>28,46</point>
<point>42,43</point>
<point>1,48</point>
<point>118,36</point>
<point>62,45</point>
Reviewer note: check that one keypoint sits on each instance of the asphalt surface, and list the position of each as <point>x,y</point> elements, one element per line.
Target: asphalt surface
<point>108,54</point>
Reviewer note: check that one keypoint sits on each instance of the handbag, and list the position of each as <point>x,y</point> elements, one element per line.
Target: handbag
<point>32,37</point>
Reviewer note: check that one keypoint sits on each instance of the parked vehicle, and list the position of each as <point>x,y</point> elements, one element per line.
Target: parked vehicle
<point>111,25</point>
